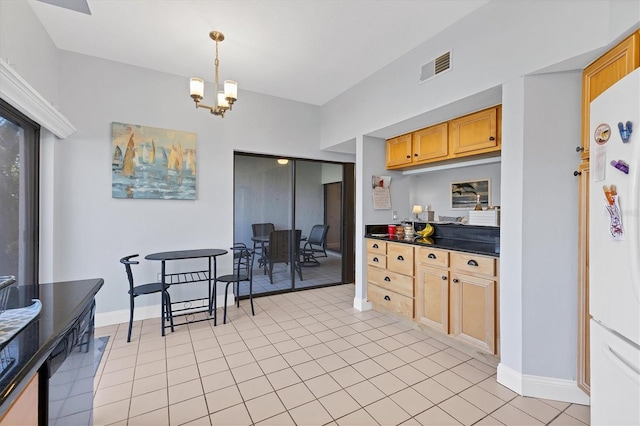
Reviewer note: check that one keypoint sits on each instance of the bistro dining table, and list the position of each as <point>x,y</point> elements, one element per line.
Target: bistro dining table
<point>263,239</point>
<point>201,275</point>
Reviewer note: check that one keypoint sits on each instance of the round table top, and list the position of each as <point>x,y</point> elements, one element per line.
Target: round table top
<point>186,254</point>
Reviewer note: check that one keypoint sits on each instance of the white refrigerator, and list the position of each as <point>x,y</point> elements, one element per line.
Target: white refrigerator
<point>614,254</point>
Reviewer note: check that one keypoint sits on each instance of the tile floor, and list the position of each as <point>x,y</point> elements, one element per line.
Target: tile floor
<point>306,358</point>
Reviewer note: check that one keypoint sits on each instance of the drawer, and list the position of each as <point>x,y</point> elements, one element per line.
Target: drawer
<point>376,246</point>
<point>390,301</point>
<point>398,283</point>
<point>400,258</point>
<point>473,264</point>
<point>377,260</point>
<point>433,257</point>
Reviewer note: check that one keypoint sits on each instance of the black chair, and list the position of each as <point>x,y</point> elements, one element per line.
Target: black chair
<point>139,290</point>
<point>243,258</point>
<point>315,245</point>
<point>278,250</point>
<point>261,230</point>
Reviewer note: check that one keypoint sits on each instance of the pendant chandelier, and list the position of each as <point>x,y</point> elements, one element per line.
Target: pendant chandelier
<point>224,98</point>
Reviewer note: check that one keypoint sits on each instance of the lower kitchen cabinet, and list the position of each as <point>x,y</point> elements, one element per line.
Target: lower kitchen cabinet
<point>455,293</point>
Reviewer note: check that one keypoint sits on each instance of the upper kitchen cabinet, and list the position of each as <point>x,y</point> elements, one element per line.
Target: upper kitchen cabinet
<point>476,133</point>
<point>399,151</point>
<point>430,143</point>
<point>602,74</point>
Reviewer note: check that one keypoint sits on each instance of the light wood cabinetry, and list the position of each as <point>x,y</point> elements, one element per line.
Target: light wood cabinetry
<point>473,300</point>
<point>431,143</point>
<point>399,151</point>
<point>584,379</point>
<point>604,73</point>
<point>432,293</point>
<point>473,134</point>
<point>390,278</point>
<point>24,410</point>
<point>455,293</point>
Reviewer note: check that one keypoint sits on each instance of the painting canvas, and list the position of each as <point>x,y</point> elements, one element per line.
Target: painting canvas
<point>149,162</point>
<point>464,195</point>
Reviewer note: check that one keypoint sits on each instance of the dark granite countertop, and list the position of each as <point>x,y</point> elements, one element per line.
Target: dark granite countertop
<point>484,240</point>
<point>62,304</point>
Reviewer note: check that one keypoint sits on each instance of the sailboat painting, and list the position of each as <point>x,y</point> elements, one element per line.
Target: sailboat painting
<point>152,163</point>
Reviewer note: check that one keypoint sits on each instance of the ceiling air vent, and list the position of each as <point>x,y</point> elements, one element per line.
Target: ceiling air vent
<point>439,65</point>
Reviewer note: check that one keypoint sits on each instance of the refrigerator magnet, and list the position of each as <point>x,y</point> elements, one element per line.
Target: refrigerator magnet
<point>625,131</point>
<point>602,134</point>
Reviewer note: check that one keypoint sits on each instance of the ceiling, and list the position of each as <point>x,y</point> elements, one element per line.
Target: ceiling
<point>304,50</point>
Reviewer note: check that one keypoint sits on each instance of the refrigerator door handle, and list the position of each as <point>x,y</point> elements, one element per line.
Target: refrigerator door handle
<point>631,370</point>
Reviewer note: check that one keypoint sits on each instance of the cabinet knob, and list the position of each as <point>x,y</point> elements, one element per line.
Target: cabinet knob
<point>455,280</point>
<point>579,148</point>
<point>491,138</point>
<point>472,263</point>
<point>408,156</point>
<point>415,155</point>
<point>375,259</point>
<point>400,257</point>
<point>431,256</point>
<point>387,298</point>
<point>444,278</point>
<point>577,173</point>
<point>387,279</point>
<point>375,246</point>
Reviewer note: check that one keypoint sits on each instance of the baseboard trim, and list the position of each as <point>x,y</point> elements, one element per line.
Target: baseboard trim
<point>541,387</point>
<point>104,319</point>
<point>362,304</point>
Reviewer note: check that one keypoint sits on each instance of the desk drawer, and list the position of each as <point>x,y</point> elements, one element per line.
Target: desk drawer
<point>390,301</point>
<point>473,264</point>
<point>377,260</point>
<point>388,280</point>
<point>376,246</point>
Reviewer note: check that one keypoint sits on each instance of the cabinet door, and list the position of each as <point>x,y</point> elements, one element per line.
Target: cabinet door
<point>432,298</point>
<point>473,304</point>
<point>431,143</point>
<point>602,74</point>
<point>474,133</point>
<point>584,376</point>
<point>390,301</point>
<point>399,151</point>
<point>400,258</point>
<point>24,410</point>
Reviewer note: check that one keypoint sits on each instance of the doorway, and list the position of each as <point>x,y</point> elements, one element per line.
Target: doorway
<point>294,195</point>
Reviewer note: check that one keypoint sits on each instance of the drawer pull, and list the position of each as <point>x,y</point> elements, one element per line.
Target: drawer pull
<point>444,278</point>
<point>375,246</point>
<point>472,263</point>
<point>375,259</point>
<point>455,280</point>
<point>387,279</point>
<point>431,256</point>
<point>387,298</point>
<point>400,257</point>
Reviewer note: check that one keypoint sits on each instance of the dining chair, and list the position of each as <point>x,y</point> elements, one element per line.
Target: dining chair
<point>278,250</point>
<point>314,247</point>
<point>243,258</point>
<point>143,289</point>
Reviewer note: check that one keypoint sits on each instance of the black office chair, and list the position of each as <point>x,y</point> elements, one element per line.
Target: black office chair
<point>139,290</point>
<point>243,258</point>
<point>278,250</point>
<point>315,245</point>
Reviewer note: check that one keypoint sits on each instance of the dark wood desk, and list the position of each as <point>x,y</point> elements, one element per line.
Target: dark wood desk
<point>207,275</point>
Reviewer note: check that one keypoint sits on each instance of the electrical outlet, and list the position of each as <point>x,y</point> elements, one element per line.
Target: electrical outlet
<point>395,215</point>
<point>159,277</point>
